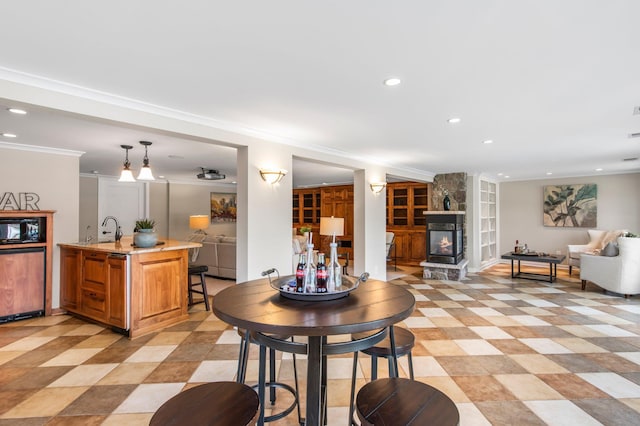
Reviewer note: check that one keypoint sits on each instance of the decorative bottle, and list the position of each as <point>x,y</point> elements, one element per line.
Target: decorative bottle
<point>334,281</point>
<point>310,272</point>
<point>321,274</point>
<point>446,202</point>
<point>300,274</point>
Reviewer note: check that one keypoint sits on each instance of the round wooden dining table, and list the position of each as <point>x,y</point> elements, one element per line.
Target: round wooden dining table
<point>256,306</point>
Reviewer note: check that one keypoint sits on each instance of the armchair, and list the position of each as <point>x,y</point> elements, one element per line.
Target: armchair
<point>597,240</point>
<point>619,274</point>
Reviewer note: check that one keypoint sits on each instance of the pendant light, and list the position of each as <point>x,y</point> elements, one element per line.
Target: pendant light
<point>126,175</point>
<point>145,171</point>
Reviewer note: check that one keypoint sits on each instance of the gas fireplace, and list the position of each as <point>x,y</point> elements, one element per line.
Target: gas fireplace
<point>445,239</point>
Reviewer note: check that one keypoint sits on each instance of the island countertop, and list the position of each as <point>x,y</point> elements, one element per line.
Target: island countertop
<point>125,246</point>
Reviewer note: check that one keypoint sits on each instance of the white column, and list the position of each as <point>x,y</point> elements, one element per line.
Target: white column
<point>369,224</point>
<point>264,212</point>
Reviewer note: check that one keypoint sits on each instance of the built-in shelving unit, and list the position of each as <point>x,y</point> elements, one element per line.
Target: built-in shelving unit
<point>488,221</point>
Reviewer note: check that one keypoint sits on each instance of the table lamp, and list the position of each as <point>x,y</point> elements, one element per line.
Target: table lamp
<point>332,226</point>
<point>199,222</point>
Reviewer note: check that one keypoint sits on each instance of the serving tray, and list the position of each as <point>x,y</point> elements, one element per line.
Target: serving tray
<point>282,285</point>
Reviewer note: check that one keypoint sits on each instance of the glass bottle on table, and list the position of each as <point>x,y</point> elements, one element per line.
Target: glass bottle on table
<point>310,272</point>
<point>321,274</point>
<point>334,280</point>
<point>300,273</point>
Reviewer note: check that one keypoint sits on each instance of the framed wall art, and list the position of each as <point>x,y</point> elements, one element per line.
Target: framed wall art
<point>223,207</point>
<point>571,205</point>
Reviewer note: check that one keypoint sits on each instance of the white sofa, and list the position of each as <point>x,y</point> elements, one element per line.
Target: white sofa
<point>598,239</point>
<point>219,254</point>
<point>619,274</point>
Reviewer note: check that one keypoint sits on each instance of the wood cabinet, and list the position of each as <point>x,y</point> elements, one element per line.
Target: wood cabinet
<point>307,211</point>
<point>337,201</point>
<point>136,291</point>
<point>93,284</point>
<point>26,268</point>
<point>406,202</point>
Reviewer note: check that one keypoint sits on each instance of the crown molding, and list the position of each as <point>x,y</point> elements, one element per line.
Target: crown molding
<point>44,149</point>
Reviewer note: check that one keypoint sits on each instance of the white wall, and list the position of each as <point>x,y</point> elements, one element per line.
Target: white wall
<point>54,177</point>
<point>521,214</point>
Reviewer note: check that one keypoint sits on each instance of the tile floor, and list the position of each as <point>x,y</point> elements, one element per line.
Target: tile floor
<point>506,351</point>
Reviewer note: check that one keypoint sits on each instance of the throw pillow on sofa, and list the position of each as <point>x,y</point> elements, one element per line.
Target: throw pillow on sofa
<point>610,250</point>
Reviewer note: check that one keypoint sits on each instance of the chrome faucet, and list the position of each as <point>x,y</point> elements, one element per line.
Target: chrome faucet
<point>118,234</point>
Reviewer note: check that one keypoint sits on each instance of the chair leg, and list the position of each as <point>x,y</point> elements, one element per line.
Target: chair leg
<point>295,378</point>
<point>261,382</point>
<point>204,291</point>
<point>374,367</point>
<point>190,284</point>
<point>243,358</point>
<point>570,268</point>
<point>272,375</point>
<point>584,284</point>
<point>353,387</point>
<point>410,358</point>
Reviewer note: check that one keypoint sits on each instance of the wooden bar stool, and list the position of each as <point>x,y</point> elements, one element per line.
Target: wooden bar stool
<point>198,270</point>
<point>404,402</point>
<point>213,404</point>
<point>272,384</point>
<point>404,341</point>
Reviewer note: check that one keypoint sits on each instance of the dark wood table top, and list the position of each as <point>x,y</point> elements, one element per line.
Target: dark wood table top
<point>535,257</point>
<point>256,306</point>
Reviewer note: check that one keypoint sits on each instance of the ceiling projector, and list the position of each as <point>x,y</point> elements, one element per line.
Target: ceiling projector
<point>210,174</point>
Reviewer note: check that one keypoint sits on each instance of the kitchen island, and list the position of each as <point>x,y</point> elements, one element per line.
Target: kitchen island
<point>133,290</point>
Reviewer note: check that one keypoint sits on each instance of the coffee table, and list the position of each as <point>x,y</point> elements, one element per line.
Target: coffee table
<point>535,257</point>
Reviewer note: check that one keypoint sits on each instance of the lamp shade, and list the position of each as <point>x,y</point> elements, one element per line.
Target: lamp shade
<point>199,221</point>
<point>332,226</point>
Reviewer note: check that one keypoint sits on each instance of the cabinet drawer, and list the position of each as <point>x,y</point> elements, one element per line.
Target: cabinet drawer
<point>94,303</point>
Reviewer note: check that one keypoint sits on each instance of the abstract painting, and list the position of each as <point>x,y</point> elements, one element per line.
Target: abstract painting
<point>571,205</point>
<point>223,207</point>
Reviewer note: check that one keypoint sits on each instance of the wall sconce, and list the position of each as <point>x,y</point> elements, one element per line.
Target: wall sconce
<point>126,175</point>
<point>272,176</point>
<point>377,187</point>
<point>145,171</point>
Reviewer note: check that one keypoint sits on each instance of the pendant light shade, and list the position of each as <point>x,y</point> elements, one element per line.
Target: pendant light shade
<point>145,171</point>
<point>126,175</point>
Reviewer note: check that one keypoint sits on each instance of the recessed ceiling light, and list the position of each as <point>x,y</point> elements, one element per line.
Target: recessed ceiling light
<point>9,135</point>
<point>598,169</point>
<point>500,174</point>
<point>17,111</point>
<point>161,177</point>
<point>549,173</point>
<point>95,172</point>
<point>487,142</point>
<point>507,176</point>
<point>393,81</point>
<point>454,120</point>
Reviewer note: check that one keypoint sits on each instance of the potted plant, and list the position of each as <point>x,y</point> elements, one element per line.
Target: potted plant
<point>305,230</point>
<point>144,233</point>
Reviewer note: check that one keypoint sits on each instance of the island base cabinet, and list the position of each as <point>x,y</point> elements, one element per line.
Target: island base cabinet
<point>135,293</point>
<point>159,290</point>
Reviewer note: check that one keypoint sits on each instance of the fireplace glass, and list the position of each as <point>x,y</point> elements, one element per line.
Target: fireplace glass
<point>445,242</point>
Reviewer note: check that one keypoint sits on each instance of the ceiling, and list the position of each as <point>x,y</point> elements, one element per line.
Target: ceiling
<point>552,84</point>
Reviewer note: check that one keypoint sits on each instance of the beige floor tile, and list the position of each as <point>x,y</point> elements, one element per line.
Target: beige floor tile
<point>8,356</point>
<point>136,419</point>
<point>152,353</point>
<point>578,345</point>
<point>99,341</point>
<point>45,403</point>
<point>168,338</point>
<point>147,398</point>
<point>27,343</point>
<point>86,330</point>
<point>126,374</point>
<point>445,322</point>
<point>527,387</point>
<point>538,364</point>
<point>502,321</point>
<point>84,375</point>
<point>442,348</point>
<point>561,413</point>
<point>581,331</point>
<point>447,386</point>
<point>72,357</point>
